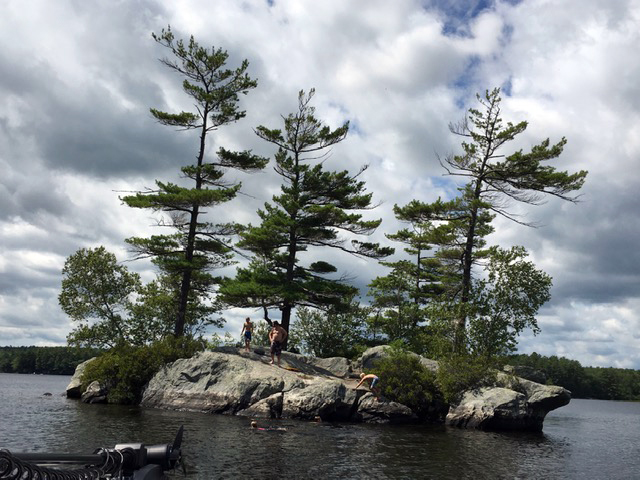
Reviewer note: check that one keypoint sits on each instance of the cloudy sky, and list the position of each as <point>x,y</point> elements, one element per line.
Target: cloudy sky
<point>77,80</point>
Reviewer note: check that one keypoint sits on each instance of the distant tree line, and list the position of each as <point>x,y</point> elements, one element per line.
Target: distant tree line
<point>44,360</point>
<point>584,382</point>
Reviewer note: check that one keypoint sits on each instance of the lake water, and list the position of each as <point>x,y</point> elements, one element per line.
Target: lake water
<point>587,439</point>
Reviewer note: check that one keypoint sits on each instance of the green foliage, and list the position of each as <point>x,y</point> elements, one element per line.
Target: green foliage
<point>112,308</point>
<point>314,206</point>
<point>260,334</point>
<point>459,373</point>
<point>435,299</point>
<point>96,293</point>
<point>394,300</point>
<point>218,341</point>
<point>583,382</point>
<point>495,179</point>
<point>156,307</point>
<point>198,246</point>
<point>405,380</point>
<point>506,302</point>
<point>125,371</point>
<point>44,360</point>
<point>330,334</point>
<point>419,292</point>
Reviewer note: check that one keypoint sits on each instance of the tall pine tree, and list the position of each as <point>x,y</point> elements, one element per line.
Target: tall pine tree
<point>313,209</point>
<point>198,245</point>
<point>493,178</point>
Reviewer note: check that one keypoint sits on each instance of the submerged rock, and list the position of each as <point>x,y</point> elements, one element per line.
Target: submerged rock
<point>371,410</point>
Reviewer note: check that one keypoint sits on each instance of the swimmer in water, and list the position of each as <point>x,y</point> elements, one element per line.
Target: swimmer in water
<point>254,426</point>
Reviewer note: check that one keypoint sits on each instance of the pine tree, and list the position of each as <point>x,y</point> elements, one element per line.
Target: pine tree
<point>495,178</point>
<point>314,206</point>
<point>198,245</point>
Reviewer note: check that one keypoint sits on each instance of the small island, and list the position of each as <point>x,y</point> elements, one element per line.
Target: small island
<point>231,381</point>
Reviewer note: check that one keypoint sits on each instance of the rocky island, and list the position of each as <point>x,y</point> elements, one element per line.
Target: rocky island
<point>233,382</point>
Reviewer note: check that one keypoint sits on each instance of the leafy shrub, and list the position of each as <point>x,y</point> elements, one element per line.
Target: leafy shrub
<point>459,373</point>
<point>405,380</point>
<point>125,371</point>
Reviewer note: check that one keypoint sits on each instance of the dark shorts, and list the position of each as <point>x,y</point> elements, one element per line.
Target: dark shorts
<point>276,348</point>
<point>247,335</point>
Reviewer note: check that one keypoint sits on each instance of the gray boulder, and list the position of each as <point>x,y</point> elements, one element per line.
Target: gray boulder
<point>371,410</point>
<point>243,384</point>
<point>74,389</point>
<point>371,356</point>
<point>95,393</point>
<point>327,399</point>
<point>338,366</point>
<point>512,404</point>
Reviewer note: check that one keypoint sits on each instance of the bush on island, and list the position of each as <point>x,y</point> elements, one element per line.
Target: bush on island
<point>126,370</point>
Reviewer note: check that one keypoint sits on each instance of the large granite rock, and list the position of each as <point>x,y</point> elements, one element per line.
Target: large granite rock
<point>371,356</point>
<point>230,382</point>
<point>512,404</point>
<point>233,382</point>
<point>74,389</point>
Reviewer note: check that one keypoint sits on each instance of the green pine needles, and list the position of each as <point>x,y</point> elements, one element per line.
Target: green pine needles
<point>198,245</point>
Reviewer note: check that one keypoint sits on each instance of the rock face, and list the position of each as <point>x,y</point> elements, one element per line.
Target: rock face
<point>95,393</point>
<point>245,384</point>
<point>233,382</point>
<point>513,404</point>
<point>369,358</point>
<point>74,389</point>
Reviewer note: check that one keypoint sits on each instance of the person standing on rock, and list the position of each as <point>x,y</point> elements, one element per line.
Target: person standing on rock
<point>277,336</point>
<point>247,329</point>
<point>373,380</point>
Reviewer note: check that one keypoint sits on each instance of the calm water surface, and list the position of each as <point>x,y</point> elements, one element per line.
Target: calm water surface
<point>588,439</point>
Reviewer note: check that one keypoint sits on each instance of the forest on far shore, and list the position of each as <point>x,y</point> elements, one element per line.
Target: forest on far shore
<point>44,360</point>
<point>584,382</point>
<point>602,383</point>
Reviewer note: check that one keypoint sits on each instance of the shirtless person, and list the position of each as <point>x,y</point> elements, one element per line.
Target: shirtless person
<point>247,328</point>
<point>372,379</point>
<point>277,336</point>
